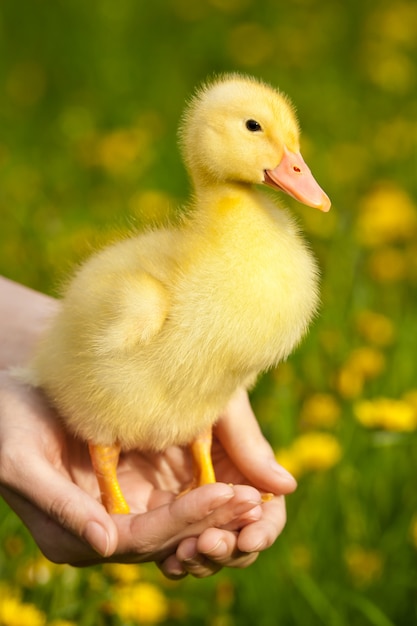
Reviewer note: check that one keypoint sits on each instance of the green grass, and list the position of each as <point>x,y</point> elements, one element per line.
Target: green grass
<point>91,96</point>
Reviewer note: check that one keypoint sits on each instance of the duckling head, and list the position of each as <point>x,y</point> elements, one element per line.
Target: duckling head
<point>239,130</point>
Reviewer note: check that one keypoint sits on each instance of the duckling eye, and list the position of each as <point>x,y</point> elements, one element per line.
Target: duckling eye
<point>253,126</point>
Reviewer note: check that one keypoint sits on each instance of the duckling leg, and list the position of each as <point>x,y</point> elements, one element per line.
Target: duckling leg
<point>104,460</point>
<point>202,464</point>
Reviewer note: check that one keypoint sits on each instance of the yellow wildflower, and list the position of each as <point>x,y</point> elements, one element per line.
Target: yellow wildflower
<point>142,603</point>
<point>395,24</point>
<point>288,459</point>
<point>364,363</point>
<point>364,565</point>
<point>388,265</point>
<point>386,413</point>
<point>118,149</point>
<point>349,382</point>
<point>320,409</point>
<point>375,328</point>
<point>317,451</point>
<point>367,361</point>
<point>124,574</point>
<point>387,214</point>
<point>313,451</point>
<point>13,612</point>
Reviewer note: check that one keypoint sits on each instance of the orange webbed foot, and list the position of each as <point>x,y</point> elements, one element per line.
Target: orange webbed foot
<point>203,471</point>
<point>105,460</point>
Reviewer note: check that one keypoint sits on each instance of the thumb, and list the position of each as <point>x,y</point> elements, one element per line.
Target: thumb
<point>239,433</point>
<point>67,524</point>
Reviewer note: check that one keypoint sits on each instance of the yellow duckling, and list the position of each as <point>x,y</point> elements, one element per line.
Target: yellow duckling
<point>157,332</point>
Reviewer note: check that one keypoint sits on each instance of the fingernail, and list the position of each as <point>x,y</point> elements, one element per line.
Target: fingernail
<point>219,550</point>
<point>98,538</point>
<point>278,469</point>
<point>189,555</point>
<point>223,498</point>
<point>245,507</point>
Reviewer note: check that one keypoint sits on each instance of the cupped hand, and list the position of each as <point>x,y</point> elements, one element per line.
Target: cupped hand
<point>47,479</point>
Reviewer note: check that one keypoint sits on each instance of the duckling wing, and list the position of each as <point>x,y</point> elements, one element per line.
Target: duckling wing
<point>135,315</point>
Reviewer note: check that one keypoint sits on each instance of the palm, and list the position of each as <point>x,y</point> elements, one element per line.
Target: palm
<point>147,479</point>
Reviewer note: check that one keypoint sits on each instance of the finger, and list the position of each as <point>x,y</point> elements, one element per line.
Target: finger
<point>214,549</point>
<point>222,547</point>
<point>156,534</point>
<point>160,529</point>
<point>55,542</point>
<point>262,534</point>
<point>172,568</point>
<point>55,497</point>
<point>240,435</point>
<point>193,562</point>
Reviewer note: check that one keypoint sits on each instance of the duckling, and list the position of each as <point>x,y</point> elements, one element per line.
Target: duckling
<point>158,331</point>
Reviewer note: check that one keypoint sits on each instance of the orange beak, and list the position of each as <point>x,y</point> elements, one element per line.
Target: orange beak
<point>294,177</point>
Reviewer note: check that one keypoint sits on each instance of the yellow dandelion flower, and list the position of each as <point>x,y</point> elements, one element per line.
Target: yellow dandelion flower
<point>142,603</point>
<point>386,413</point>
<point>320,409</point>
<point>369,362</point>
<point>391,70</point>
<point>375,328</point>
<point>364,363</point>
<point>396,24</point>
<point>387,214</point>
<point>388,265</point>
<point>349,382</point>
<point>117,150</point>
<point>288,459</point>
<point>317,451</point>
<point>364,565</point>
<point>13,612</point>
<point>124,574</point>
<point>313,451</point>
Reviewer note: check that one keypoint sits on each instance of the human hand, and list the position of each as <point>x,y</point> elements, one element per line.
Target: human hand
<point>47,479</point>
<point>241,455</point>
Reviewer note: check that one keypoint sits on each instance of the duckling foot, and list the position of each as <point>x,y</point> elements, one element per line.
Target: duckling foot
<point>104,460</point>
<point>203,471</point>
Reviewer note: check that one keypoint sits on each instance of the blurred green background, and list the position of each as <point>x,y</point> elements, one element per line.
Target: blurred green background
<point>91,93</point>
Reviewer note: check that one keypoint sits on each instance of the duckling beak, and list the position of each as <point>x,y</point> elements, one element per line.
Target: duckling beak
<point>294,177</point>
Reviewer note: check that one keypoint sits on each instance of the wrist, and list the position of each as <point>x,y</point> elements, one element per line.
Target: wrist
<point>24,313</point>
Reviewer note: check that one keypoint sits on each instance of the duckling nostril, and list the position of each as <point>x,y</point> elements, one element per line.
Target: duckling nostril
<point>296,169</point>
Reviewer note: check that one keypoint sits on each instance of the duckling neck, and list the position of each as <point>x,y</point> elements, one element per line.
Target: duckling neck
<point>228,205</point>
